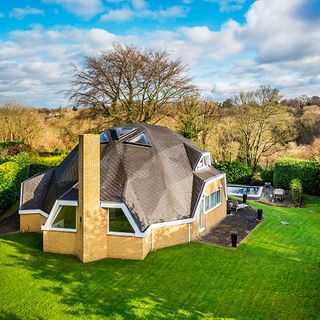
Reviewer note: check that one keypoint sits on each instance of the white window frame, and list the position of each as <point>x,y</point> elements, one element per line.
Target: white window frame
<point>125,210</point>
<point>200,165</point>
<point>218,204</point>
<point>54,213</point>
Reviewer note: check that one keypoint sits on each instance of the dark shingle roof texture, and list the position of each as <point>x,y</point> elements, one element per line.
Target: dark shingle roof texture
<point>157,183</point>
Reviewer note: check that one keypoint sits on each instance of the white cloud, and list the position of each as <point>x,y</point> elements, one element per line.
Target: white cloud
<point>139,4</point>
<point>216,45</point>
<point>277,32</point>
<point>118,15</point>
<point>171,12</point>
<point>126,13</point>
<point>229,5</point>
<point>82,8</point>
<point>283,50</point>
<point>35,65</point>
<point>21,13</point>
<point>275,46</point>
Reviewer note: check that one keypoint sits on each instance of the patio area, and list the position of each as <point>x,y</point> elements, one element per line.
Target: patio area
<point>244,221</point>
<point>267,197</point>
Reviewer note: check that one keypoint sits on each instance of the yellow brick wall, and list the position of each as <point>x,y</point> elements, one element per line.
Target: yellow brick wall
<point>216,215</point>
<point>214,186</point>
<point>91,218</point>
<point>170,236</point>
<point>147,244</point>
<point>60,242</point>
<point>123,247</point>
<point>31,222</point>
<point>194,228</point>
<point>92,242</point>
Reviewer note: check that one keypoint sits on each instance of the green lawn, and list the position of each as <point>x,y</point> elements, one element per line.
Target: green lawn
<point>275,274</point>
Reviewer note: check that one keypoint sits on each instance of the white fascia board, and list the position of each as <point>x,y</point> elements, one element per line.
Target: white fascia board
<point>34,211</point>
<point>21,195</point>
<point>122,205</point>
<point>59,229</point>
<point>171,223</point>
<point>125,234</point>
<point>72,203</point>
<point>225,186</point>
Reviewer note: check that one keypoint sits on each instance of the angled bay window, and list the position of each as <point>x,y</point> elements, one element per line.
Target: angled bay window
<point>118,221</point>
<point>66,218</point>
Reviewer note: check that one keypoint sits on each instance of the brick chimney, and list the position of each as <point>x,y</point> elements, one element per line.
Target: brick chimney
<point>91,220</point>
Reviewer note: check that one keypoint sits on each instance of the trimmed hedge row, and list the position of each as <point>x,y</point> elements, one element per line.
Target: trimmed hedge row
<point>287,169</point>
<point>12,173</point>
<point>39,164</point>
<point>236,172</point>
<point>296,191</point>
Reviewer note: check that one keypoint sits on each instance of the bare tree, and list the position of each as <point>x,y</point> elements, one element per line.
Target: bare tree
<point>19,123</point>
<point>261,123</point>
<point>130,84</point>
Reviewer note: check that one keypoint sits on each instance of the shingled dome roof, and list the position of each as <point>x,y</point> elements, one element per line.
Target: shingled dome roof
<point>149,168</point>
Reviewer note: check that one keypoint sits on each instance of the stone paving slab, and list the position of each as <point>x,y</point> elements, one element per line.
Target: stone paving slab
<point>244,221</point>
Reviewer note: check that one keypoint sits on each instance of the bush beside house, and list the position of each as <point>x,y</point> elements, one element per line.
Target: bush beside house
<point>296,192</point>
<point>287,169</point>
<point>39,164</point>
<point>12,173</point>
<point>236,172</point>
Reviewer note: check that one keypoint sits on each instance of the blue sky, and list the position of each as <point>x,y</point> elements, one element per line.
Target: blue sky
<point>229,45</point>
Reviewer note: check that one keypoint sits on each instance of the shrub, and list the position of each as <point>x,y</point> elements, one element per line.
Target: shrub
<point>8,184</point>
<point>237,172</point>
<point>266,174</point>
<point>287,169</point>
<point>12,173</point>
<point>296,192</point>
<point>39,164</point>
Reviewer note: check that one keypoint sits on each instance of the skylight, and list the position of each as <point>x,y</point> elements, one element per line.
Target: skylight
<point>140,139</point>
<point>123,131</point>
<point>104,137</point>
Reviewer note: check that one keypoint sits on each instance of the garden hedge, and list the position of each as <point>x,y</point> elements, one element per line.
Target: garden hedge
<point>12,173</point>
<point>296,192</point>
<point>287,169</point>
<point>39,164</point>
<point>236,172</point>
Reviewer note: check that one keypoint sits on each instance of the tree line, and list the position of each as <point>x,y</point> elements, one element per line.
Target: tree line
<point>129,84</point>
